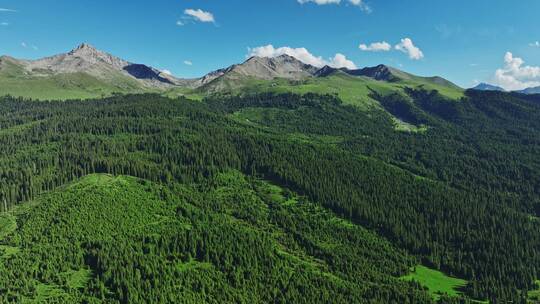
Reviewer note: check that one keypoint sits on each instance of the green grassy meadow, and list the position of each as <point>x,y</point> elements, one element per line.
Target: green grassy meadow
<point>435,281</point>
<point>352,90</point>
<point>65,86</point>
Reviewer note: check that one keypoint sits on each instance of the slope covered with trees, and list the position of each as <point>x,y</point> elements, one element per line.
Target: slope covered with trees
<point>228,239</point>
<point>461,197</point>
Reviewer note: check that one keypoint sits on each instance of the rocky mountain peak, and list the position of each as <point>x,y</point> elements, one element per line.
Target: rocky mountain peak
<point>287,58</point>
<point>379,72</point>
<point>280,61</point>
<point>325,71</point>
<point>267,68</point>
<point>87,59</point>
<point>89,53</point>
<point>85,49</point>
<point>84,46</point>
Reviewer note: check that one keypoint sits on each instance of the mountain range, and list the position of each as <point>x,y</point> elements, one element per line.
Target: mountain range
<point>86,72</point>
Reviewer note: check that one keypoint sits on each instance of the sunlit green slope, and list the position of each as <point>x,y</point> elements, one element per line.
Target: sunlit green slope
<point>16,82</point>
<point>354,90</point>
<point>228,240</point>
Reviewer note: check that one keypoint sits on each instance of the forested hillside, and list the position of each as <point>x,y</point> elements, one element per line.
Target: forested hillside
<point>286,182</point>
<point>229,239</point>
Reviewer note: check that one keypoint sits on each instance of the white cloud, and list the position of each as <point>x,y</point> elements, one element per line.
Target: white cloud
<point>7,10</point>
<point>188,62</point>
<point>166,72</point>
<point>515,75</point>
<point>4,24</point>
<point>180,23</point>
<point>24,45</point>
<point>407,46</point>
<point>376,47</point>
<point>341,61</point>
<point>200,15</point>
<point>535,44</point>
<point>360,3</point>
<point>302,54</point>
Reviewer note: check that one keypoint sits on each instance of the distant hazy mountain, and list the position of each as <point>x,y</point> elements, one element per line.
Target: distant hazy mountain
<point>488,87</point>
<point>535,90</point>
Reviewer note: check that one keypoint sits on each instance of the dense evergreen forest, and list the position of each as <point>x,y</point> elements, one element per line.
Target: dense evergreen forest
<point>462,195</point>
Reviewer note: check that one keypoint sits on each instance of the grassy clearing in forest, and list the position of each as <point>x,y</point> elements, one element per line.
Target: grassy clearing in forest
<point>534,295</point>
<point>435,281</point>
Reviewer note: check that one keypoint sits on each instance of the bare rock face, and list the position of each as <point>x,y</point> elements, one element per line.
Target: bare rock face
<point>380,72</point>
<point>283,66</point>
<point>328,70</point>
<point>84,58</point>
<point>264,68</point>
<point>143,72</point>
<point>89,60</point>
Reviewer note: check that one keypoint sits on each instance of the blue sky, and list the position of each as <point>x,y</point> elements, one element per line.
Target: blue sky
<point>463,41</point>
